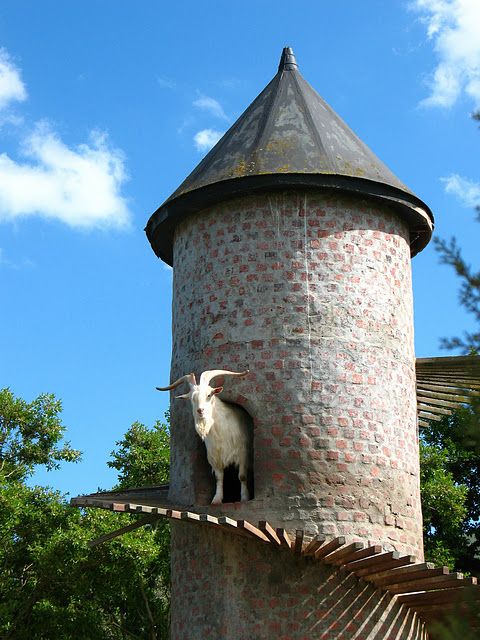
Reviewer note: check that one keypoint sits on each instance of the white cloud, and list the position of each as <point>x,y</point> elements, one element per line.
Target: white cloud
<point>206,139</point>
<point>78,186</point>
<point>454,27</point>
<point>212,106</point>
<point>11,85</point>
<point>467,191</point>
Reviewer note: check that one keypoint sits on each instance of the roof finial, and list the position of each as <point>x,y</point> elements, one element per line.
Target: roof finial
<point>287,61</point>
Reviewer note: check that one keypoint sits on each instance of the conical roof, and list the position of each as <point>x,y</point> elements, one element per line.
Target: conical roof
<point>288,137</point>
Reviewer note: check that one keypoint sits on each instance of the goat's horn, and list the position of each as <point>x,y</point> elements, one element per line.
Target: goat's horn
<point>208,375</point>
<point>190,378</point>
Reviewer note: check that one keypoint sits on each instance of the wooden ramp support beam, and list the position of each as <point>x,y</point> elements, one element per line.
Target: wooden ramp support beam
<point>269,531</point>
<point>122,530</point>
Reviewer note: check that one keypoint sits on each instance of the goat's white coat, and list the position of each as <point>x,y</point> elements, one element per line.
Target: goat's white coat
<point>222,426</point>
<point>226,442</point>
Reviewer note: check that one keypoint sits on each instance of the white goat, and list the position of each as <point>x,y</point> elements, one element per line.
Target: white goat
<point>222,427</point>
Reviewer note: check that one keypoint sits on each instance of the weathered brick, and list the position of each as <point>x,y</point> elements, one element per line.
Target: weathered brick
<point>318,382</point>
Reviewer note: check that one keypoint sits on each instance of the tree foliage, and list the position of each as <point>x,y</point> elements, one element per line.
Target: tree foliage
<point>30,434</point>
<point>469,293</point>
<point>53,585</point>
<point>143,456</point>
<point>450,468</point>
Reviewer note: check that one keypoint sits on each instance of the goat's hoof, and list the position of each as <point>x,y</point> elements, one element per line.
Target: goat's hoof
<point>216,501</point>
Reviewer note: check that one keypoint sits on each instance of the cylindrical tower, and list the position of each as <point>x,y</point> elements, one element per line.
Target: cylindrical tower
<point>291,246</point>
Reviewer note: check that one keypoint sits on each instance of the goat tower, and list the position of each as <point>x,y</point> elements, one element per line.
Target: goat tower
<point>291,244</point>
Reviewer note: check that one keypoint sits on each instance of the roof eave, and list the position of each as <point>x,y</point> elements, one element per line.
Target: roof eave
<point>161,226</point>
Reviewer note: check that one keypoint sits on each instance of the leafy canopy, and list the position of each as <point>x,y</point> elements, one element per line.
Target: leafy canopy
<point>53,584</point>
<point>449,472</point>
<point>143,456</point>
<point>31,434</point>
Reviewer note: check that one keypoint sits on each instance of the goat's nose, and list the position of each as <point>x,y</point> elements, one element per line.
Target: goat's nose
<point>200,411</point>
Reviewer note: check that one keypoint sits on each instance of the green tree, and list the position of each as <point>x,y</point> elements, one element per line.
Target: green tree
<point>53,585</point>
<point>30,434</point>
<point>450,468</point>
<point>143,455</point>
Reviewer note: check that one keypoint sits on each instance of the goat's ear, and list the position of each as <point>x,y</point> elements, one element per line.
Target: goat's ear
<point>185,396</point>
<point>216,390</point>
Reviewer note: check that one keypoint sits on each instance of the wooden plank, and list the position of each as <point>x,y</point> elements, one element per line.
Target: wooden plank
<point>442,596</point>
<point>373,565</point>
<point>119,506</point>
<point>313,546</point>
<point>434,612</point>
<point>189,516</point>
<point>437,402</point>
<point>406,573</point>
<point>298,543</point>
<point>429,416</point>
<point>253,531</point>
<point>443,393</point>
<point>461,371</point>
<point>283,537</point>
<point>269,531</point>
<point>206,518</point>
<point>434,409</point>
<point>453,372</point>
<point>452,360</point>
<point>423,423</point>
<point>144,508</point>
<point>342,555</point>
<point>426,584</point>
<point>373,561</point>
<point>453,381</point>
<point>461,387</point>
<point>173,514</point>
<point>447,373</point>
<point>401,571</point>
<point>331,546</point>
<point>460,382</point>
<point>120,532</point>
<point>364,553</point>
<point>389,564</point>
<point>228,524</point>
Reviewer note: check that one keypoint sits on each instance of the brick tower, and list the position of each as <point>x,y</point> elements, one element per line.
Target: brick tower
<point>290,245</point>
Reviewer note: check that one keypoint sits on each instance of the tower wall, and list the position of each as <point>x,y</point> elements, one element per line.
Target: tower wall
<point>312,292</point>
<point>230,588</point>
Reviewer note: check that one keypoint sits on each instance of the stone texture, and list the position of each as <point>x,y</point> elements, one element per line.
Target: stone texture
<point>312,292</point>
<point>230,588</point>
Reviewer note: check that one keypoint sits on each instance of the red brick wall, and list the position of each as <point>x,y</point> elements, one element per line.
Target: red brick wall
<point>312,292</point>
<point>230,588</point>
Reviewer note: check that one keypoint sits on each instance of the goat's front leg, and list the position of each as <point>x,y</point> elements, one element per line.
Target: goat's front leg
<point>242,476</point>
<point>218,497</point>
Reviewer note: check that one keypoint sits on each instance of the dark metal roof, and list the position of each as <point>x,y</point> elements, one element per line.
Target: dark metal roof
<point>287,137</point>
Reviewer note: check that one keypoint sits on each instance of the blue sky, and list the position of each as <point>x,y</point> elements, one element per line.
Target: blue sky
<point>105,106</point>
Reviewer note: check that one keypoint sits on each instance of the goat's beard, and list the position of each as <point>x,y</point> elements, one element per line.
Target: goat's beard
<point>203,426</point>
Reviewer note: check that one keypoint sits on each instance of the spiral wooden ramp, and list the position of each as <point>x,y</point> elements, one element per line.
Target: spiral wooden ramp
<point>432,592</point>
